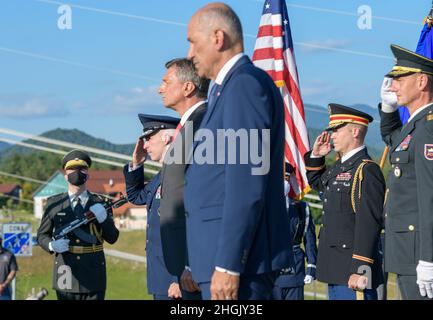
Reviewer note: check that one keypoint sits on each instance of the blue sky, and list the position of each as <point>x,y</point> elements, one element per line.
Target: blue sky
<point>99,75</point>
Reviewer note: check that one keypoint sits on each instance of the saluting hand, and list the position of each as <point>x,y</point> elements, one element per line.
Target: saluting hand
<point>224,286</point>
<point>322,145</point>
<point>140,153</point>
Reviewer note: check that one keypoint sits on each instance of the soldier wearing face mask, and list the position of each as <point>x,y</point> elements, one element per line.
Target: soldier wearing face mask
<point>79,271</point>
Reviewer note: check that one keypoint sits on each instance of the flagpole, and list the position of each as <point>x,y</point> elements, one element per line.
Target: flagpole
<point>383,159</point>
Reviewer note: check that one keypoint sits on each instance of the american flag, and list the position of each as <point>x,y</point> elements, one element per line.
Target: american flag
<point>274,53</point>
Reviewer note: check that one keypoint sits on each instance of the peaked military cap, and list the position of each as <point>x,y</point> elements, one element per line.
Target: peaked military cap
<point>288,168</point>
<point>152,123</point>
<point>76,159</point>
<point>409,62</point>
<point>340,115</point>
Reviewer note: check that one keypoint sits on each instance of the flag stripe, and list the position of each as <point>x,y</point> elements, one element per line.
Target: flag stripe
<point>274,54</point>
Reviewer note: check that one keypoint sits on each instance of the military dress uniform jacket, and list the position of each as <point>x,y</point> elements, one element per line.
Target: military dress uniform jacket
<point>303,230</point>
<point>349,240</point>
<point>409,201</point>
<point>139,193</point>
<point>88,269</point>
<point>172,209</point>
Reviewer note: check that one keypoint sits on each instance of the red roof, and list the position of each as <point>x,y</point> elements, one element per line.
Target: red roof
<point>7,188</point>
<point>106,181</point>
<point>109,182</point>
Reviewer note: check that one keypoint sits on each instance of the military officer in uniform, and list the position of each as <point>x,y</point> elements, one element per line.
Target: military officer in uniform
<point>290,283</point>
<point>79,265</point>
<point>409,200</point>
<point>353,191</point>
<point>158,133</point>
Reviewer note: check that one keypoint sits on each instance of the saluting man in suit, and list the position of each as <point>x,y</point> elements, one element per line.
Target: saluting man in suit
<point>290,283</point>
<point>185,92</point>
<point>409,201</point>
<point>157,135</point>
<point>353,193</point>
<point>237,228</point>
<point>79,271</point>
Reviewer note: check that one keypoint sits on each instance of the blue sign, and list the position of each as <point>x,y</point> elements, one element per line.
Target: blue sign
<point>17,238</point>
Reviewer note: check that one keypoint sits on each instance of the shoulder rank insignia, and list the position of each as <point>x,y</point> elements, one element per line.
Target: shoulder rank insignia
<point>429,117</point>
<point>405,144</point>
<point>428,151</point>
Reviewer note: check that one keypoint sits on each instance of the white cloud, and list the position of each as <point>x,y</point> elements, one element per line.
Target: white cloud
<point>134,100</point>
<point>28,106</point>
<point>324,45</point>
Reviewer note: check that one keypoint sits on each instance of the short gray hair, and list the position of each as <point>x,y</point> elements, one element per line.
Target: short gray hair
<point>223,13</point>
<point>186,72</point>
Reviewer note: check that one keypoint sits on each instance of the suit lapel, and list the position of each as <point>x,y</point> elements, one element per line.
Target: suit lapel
<point>66,205</point>
<point>154,187</point>
<point>405,131</point>
<point>211,108</point>
<point>409,127</point>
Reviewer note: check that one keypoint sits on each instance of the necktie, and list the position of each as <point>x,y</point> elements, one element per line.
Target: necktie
<point>213,94</point>
<point>78,210</point>
<point>178,128</point>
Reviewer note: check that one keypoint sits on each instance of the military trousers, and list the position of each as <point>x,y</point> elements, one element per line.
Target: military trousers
<point>408,288</point>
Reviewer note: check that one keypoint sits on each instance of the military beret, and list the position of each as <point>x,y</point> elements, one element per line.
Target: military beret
<point>409,62</point>
<point>76,159</point>
<point>153,123</point>
<point>340,115</point>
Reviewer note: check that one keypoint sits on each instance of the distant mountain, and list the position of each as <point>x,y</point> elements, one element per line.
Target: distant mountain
<point>318,118</point>
<point>74,136</point>
<point>3,146</point>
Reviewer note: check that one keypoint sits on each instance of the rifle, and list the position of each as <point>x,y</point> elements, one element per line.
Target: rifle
<point>88,217</point>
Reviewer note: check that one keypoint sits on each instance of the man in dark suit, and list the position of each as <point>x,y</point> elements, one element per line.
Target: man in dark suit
<point>409,201</point>
<point>237,228</point>
<point>158,134</point>
<point>290,283</point>
<point>185,92</point>
<point>79,265</point>
<point>353,193</point>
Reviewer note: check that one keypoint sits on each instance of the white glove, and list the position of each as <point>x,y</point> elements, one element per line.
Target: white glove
<point>389,98</point>
<point>308,279</point>
<point>59,246</point>
<point>99,212</point>
<point>424,275</point>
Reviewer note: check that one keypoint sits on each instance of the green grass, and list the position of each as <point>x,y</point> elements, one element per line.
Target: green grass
<point>125,280</point>
<point>131,242</point>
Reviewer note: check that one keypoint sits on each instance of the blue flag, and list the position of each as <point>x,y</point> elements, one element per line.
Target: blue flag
<point>424,48</point>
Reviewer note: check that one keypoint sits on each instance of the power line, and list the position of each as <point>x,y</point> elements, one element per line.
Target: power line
<point>346,13</point>
<point>77,64</point>
<point>303,44</point>
<point>16,198</point>
<point>73,146</point>
<point>6,174</point>
<point>115,13</point>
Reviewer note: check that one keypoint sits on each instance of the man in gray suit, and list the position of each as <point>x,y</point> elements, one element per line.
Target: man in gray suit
<point>185,92</point>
